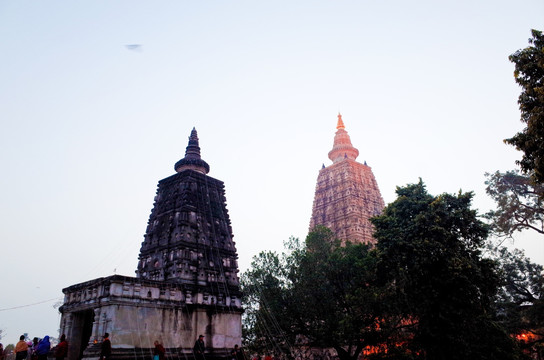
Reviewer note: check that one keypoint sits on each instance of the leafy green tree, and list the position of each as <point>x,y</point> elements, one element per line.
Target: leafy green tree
<point>340,303</point>
<point>430,251</point>
<point>529,74</point>
<point>520,203</point>
<point>268,302</point>
<point>520,301</point>
<point>321,294</point>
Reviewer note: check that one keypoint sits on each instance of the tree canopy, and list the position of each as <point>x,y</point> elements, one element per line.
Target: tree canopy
<point>520,203</point>
<point>429,247</point>
<point>426,291</point>
<point>520,301</point>
<point>266,287</point>
<point>529,74</point>
<point>337,288</point>
<point>320,294</point>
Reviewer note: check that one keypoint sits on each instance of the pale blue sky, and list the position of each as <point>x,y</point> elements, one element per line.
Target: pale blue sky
<point>90,126</point>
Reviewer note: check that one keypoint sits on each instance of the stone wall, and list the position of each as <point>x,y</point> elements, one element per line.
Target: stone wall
<point>137,312</point>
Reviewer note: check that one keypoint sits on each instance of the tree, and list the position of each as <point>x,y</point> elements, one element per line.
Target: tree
<point>529,74</point>
<point>339,299</point>
<point>266,294</point>
<point>321,294</point>
<point>520,301</point>
<point>520,203</point>
<point>425,292</point>
<point>429,249</point>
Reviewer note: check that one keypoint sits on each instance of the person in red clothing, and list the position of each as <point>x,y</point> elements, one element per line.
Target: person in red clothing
<point>62,348</point>
<point>158,351</point>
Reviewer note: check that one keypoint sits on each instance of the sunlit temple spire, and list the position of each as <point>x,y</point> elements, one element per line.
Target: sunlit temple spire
<point>192,159</point>
<point>346,193</point>
<point>342,148</point>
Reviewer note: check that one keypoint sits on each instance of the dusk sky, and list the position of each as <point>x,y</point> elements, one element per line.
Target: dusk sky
<point>98,98</point>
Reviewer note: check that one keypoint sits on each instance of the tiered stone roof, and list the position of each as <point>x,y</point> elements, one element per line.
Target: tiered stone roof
<point>189,236</point>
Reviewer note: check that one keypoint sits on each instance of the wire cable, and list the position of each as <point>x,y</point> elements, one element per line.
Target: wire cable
<point>36,303</point>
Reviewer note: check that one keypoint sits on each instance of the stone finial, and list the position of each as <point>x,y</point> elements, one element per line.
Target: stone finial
<point>342,148</point>
<point>192,159</point>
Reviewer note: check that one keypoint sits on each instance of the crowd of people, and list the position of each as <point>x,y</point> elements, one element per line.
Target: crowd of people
<point>37,349</point>
<point>40,349</point>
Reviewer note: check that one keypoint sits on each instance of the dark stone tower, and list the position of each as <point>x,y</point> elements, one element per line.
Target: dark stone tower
<point>186,284</point>
<point>189,237</point>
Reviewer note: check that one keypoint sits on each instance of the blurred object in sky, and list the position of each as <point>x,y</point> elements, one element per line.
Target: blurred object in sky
<point>135,47</point>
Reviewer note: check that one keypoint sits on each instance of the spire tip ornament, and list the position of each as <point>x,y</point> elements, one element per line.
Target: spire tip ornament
<point>342,148</point>
<point>192,159</point>
<point>340,124</point>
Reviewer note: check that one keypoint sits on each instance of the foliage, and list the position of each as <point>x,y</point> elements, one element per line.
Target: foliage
<point>520,301</point>
<point>320,295</point>
<point>266,287</point>
<point>425,292</point>
<point>430,250</point>
<point>520,203</point>
<point>529,74</point>
<point>336,288</point>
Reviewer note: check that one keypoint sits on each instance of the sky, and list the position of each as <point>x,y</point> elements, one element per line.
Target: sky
<point>98,98</point>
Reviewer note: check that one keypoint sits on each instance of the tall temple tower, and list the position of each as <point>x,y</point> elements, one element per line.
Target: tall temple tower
<point>186,280</point>
<point>189,237</point>
<point>346,194</point>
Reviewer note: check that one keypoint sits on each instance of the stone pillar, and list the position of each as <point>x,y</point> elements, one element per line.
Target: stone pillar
<point>66,327</point>
<point>96,327</point>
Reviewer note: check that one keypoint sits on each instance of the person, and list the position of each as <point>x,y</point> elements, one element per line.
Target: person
<point>2,354</point>
<point>43,348</point>
<point>32,347</point>
<point>158,351</point>
<point>21,349</point>
<point>62,348</point>
<point>237,353</point>
<point>199,348</point>
<point>105,350</point>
